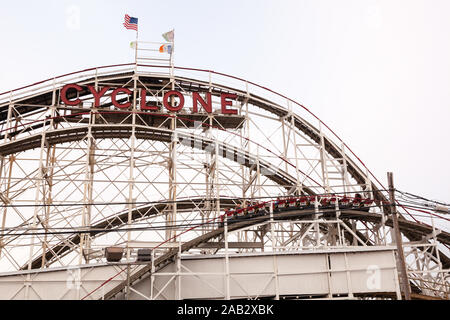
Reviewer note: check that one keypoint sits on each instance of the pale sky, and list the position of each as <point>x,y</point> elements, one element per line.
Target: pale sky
<point>377,72</point>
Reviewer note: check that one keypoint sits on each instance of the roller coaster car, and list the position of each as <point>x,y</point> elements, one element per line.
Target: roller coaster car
<point>275,205</point>
<point>312,201</point>
<point>325,203</point>
<point>252,211</point>
<point>357,202</point>
<point>303,202</point>
<point>366,205</point>
<point>344,203</point>
<point>230,215</point>
<point>239,213</point>
<point>260,210</point>
<point>295,203</point>
<point>281,205</point>
<point>333,201</point>
<point>292,203</point>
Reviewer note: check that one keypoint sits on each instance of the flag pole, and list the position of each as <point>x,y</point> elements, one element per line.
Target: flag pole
<point>136,48</point>
<point>171,52</point>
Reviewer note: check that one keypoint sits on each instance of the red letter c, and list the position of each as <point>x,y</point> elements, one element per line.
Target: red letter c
<point>64,94</point>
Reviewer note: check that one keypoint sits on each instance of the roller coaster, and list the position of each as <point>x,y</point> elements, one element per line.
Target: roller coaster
<point>214,196</point>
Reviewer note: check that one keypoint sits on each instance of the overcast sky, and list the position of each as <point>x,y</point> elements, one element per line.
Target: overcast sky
<point>377,72</point>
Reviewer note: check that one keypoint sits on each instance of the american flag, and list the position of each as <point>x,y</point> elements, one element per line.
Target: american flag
<point>130,22</point>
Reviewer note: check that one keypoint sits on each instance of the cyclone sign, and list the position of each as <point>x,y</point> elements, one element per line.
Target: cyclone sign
<point>226,99</point>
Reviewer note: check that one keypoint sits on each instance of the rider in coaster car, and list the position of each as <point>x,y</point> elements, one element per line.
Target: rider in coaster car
<point>357,201</point>
<point>281,203</point>
<point>292,202</point>
<point>276,203</point>
<point>239,211</point>
<point>251,209</point>
<point>324,201</point>
<point>303,202</point>
<point>367,204</point>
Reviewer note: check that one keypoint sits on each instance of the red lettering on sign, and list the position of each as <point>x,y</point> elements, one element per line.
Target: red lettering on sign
<point>197,98</point>
<point>64,94</point>
<point>225,103</point>
<point>97,95</point>
<point>166,100</point>
<point>114,100</point>
<point>144,105</point>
